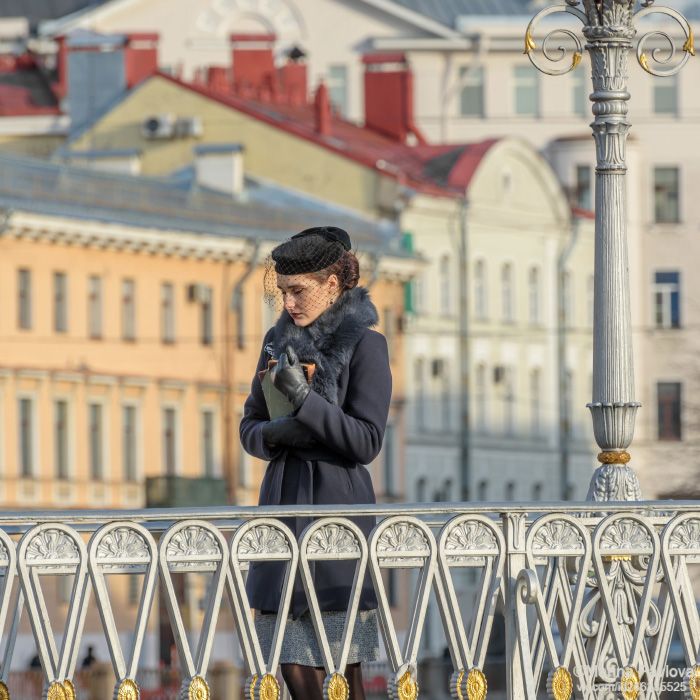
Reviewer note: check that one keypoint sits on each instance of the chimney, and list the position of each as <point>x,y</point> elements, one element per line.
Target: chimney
<point>220,167</point>
<point>292,77</point>
<point>389,96</point>
<point>140,57</point>
<point>61,67</point>
<point>218,79</point>
<point>322,111</point>
<point>253,62</point>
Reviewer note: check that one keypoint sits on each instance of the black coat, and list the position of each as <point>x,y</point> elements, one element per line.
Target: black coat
<point>346,411</point>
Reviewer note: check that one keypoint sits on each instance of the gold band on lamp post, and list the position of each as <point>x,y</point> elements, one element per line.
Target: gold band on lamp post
<point>614,457</point>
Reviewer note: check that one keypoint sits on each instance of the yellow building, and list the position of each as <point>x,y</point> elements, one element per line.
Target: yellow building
<point>134,319</point>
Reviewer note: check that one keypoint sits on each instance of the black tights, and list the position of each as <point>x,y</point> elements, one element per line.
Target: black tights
<point>306,682</point>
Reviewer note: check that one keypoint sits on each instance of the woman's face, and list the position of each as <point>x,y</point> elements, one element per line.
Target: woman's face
<point>305,298</point>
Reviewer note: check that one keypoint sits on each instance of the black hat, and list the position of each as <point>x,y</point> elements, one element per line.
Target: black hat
<point>311,250</point>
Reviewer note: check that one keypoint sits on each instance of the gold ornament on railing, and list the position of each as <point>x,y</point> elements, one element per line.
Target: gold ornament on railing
<point>4,691</point>
<point>128,690</point>
<point>476,685</point>
<point>267,688</point>
<point>406,687</point>
<point>69,689</point>
<point>560,684</point>
<point>56,692</point>
<point>337,687</point>
<point>629,683</point>
<point>693,681</point>
<point>198,690</point>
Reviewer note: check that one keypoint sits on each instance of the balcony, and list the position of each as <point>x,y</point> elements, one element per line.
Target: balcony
<point>591,599</point>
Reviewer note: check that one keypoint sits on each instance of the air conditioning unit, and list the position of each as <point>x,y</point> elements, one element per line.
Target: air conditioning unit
<point>499,374</point>
<point>159,126</point>
<point>199,293</point>
<point>188,126</point>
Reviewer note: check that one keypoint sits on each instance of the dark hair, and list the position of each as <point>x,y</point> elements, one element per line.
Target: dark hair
<point>346,269</point>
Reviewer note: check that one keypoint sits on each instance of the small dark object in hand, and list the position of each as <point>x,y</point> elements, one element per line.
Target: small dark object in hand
<point>288,377</point>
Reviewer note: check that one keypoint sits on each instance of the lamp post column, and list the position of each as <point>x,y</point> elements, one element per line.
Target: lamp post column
<point>609,32</point>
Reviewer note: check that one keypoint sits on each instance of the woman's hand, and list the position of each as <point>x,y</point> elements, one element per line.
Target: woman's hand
<point>288,377</point>
<point>287,431</point>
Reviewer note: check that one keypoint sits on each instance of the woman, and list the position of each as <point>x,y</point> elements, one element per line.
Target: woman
<point>317,454</point>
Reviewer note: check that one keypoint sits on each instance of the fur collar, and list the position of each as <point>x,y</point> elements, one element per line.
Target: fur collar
<point>329,341</point>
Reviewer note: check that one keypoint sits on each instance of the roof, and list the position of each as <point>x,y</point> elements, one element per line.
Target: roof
<point>447,11</point>
<point>38,10</point>
<point>440,170</point>
<point>175,204</point>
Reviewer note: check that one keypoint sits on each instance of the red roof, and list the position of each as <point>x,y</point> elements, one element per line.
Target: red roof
<point>24,91</point>
<point>444,170</point>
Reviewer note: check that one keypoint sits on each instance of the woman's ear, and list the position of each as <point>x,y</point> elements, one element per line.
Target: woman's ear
<point>333,283</point>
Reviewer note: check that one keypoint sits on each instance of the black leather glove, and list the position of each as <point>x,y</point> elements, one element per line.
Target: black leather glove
<point>287,431</point>
<point>288,376</point>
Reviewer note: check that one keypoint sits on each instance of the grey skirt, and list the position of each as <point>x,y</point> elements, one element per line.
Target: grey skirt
<point>300,645</point>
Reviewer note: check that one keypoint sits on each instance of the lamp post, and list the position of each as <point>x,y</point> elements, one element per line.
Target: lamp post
<point>609,31</point>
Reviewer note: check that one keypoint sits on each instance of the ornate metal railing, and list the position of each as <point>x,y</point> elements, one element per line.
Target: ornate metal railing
<point>591,600</point>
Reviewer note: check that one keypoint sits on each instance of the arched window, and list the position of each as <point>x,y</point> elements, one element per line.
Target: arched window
<point>507,293</point>
<point>533,289</point>
<point>480,290</point>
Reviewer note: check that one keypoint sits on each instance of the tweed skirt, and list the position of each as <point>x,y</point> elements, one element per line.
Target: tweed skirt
<point>300,646</point>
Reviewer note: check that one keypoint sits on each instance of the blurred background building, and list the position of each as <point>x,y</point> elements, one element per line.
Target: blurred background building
<point>151,157</point>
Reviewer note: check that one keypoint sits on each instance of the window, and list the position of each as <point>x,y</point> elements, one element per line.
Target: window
<point>666,195</point>
<point>96,441</point>
<point>510,491</point>
<point>537,491</point>
<point>24,299</point>
<point>535,402</point>
<point>482,490</point>
<point>207,317</point>
<point>480,296</point>
<point>389,457</point>
<point>471,97</point>
<point>134,594</point>
<point>207,443</point>
<point>533,294</point>
<point>95,307</point>
<point>509,402</point>
<point>581,87</point>
<point>60,438</point>
<point>444,282</point>
<point>567,298</point>
<point>527,91</point>
<point>338,88</point>
<point>60,302</point>
<point>445,397</point>
<point>167,312</point>
<point>27,435</point>
<point>129,442</point>
<point>507,293</point>
<point>389,327</point>
<point>128,310</point>
<point>169,441</point>
<point>480,398</point>
<point>666,95</point>
<point>669,410</point>
<point>667,313</point>
<point>421,485</point>
<point>419,380</point>
<point>590,298</point>
<point>568,401</point>
<point>584,187</point>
